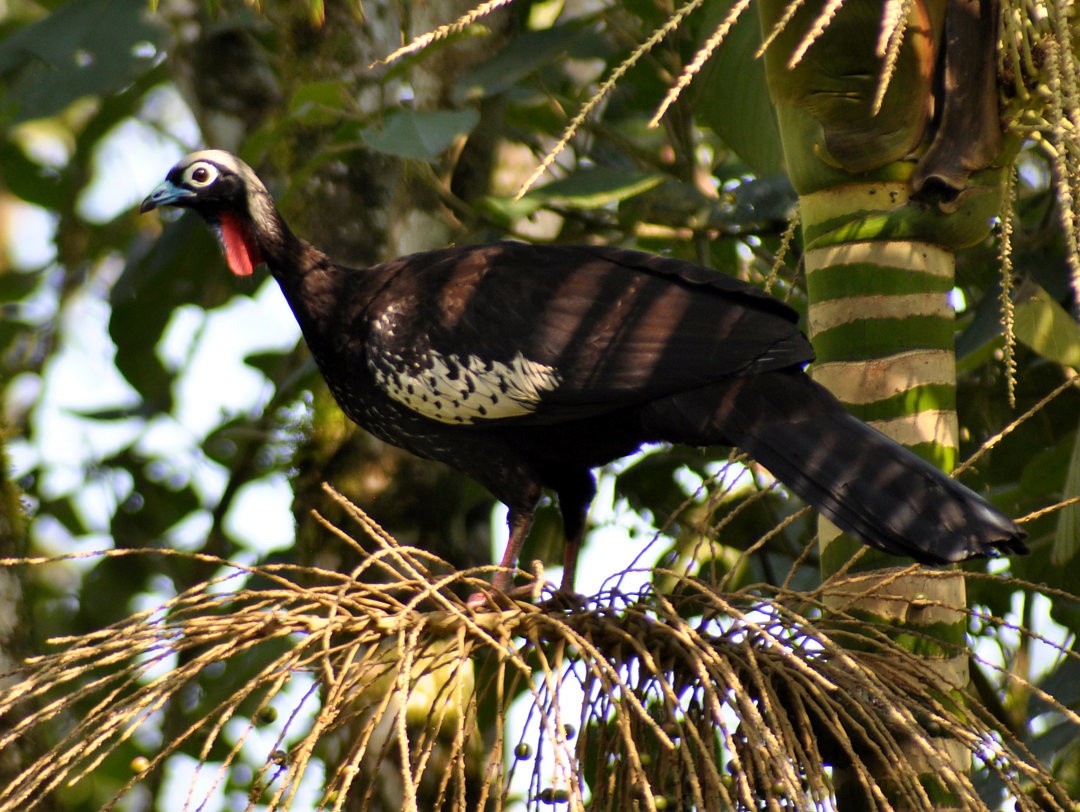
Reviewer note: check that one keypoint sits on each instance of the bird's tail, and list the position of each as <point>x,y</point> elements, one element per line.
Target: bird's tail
<point>862,481</point>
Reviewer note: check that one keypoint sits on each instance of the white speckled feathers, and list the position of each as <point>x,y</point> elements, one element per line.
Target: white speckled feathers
<point>458,390</point>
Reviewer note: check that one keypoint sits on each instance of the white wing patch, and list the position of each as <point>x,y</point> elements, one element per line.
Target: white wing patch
<point>457,390</point>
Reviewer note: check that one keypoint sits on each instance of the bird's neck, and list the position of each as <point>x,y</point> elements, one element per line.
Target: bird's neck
<point>313,285</point>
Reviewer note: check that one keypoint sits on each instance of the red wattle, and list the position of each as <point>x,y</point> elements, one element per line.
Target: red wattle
<point>241,253</point>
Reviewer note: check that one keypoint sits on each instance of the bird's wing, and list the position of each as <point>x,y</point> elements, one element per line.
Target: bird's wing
<point>550,333</point>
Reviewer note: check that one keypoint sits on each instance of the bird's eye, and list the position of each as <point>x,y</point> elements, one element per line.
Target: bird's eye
<point>201,174</point>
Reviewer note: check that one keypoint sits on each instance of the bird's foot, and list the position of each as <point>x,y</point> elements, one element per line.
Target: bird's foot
<point>504,593</point>
<point>563,600</point>
<point>487,601</point>
<point>560,600</point>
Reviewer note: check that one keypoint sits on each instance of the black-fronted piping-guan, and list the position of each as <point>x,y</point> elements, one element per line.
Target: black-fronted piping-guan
<point>527,366</point>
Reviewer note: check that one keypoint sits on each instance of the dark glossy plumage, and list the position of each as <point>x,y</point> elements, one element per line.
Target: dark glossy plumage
<point>527,366</point>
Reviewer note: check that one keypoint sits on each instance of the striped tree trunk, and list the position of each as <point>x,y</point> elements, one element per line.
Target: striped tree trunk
<point>882,328</point>
<point>886,198</point>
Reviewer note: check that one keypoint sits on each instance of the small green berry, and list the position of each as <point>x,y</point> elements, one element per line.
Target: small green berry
<point>550,795</point>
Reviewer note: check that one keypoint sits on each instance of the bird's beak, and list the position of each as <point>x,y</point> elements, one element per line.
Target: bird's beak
<point>167,194</point>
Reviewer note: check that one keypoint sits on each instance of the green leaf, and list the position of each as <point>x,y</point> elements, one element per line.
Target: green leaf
<point>525,55</point>
<point>420,135</point>
<point>732,98</point>
<point>30,181</point>
<point>593,188</point>
<point>979,337</point>
<point>85,47</point>
<point>1047,468</point>
<point>15,287</point>
<point>271,363</point>
<point>223,444</point>
<point>113,414</point>
<point>1043,325</point>
<point>507,210</point>
<point>65,512</point>
<point>318,102</point>
<point>1067,533</point>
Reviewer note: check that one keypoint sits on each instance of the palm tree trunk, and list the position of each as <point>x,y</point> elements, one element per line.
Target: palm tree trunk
<point>885,349</point>
<point>883,212</point>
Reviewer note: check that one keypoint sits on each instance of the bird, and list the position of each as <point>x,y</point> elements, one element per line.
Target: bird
<point>527,367</point>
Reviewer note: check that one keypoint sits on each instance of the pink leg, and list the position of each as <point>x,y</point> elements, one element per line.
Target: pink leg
<point>504,578</point>
<point>519,529</point>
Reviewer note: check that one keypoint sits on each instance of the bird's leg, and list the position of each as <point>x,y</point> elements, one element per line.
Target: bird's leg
<point>520,521</point>
<point>520,495</point>
<point>574,499</point>
<point>570,558</point>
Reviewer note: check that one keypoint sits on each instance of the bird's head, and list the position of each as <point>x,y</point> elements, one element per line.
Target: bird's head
<point>228,195</point>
